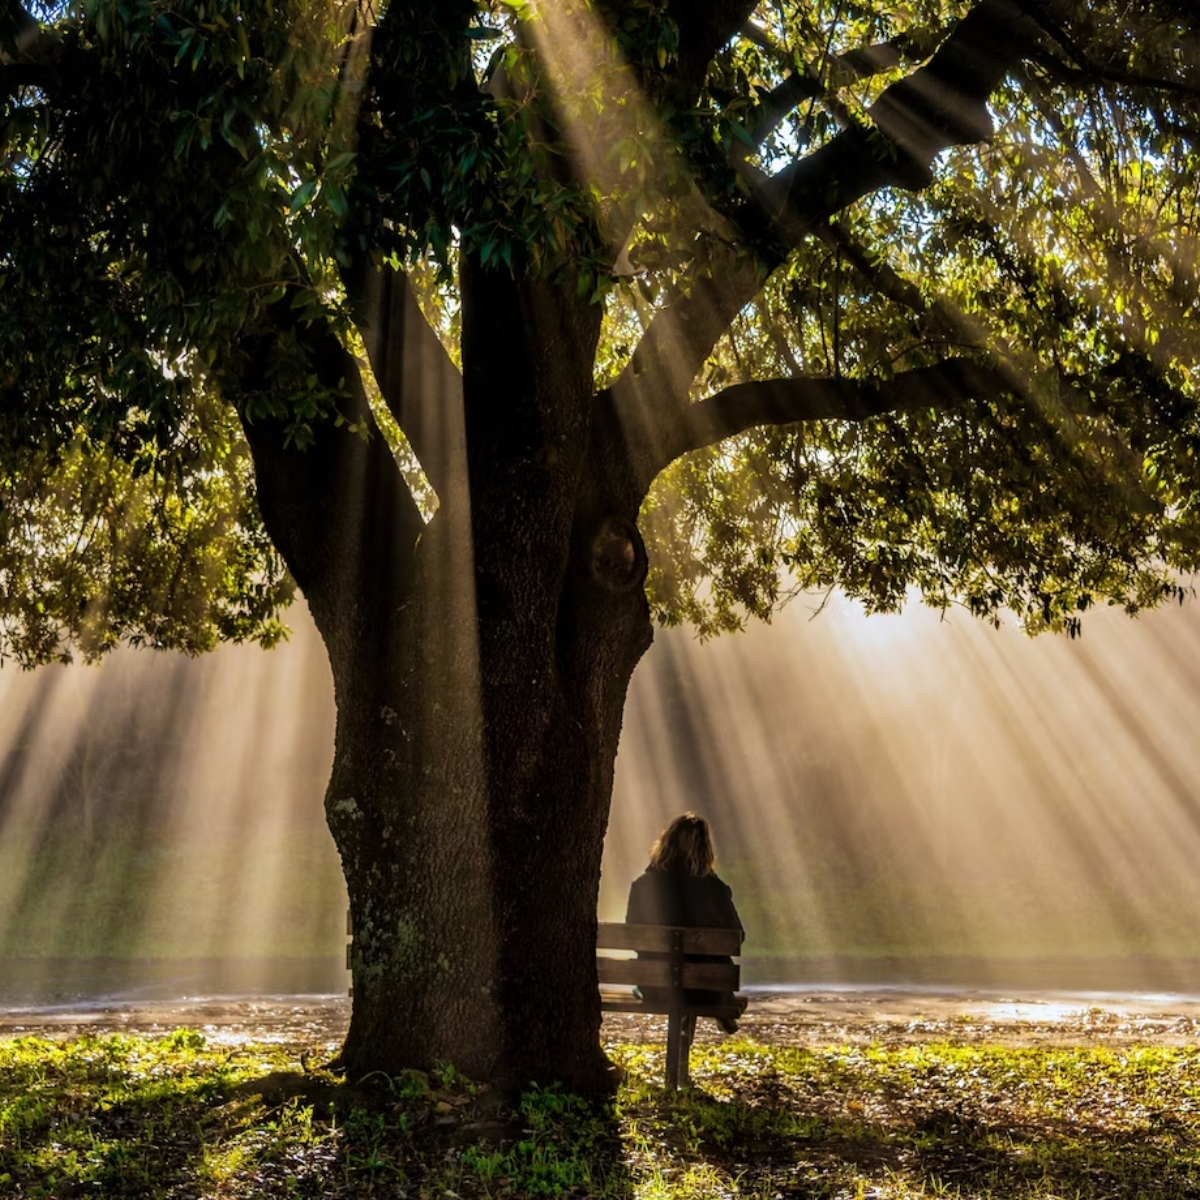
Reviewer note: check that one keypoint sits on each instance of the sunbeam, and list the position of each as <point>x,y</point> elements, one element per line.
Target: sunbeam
<point>930,798</point>
<point>893,797</point>
<point>846,333</point>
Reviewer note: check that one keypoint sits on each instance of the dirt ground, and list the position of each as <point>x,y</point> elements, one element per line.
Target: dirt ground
<point>891,1017</point>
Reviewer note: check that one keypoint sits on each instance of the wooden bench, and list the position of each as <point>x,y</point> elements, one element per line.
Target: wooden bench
<point>672,972</point>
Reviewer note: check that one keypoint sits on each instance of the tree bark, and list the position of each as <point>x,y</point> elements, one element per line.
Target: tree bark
<point>469,801</point>
<point>479,691</point>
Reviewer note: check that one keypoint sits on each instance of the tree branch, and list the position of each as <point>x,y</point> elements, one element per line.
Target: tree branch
<point>940,105</point>
<point>809,85</point>
<point>338,510</point>
<point>756,34</point>
<point>18,30</point>
<point>743,406</point>
<point>1062,72</point>
<point>935,318</point>
<point>704,27</point>
<point>25,45</point>
<point>1088,70</point>
<point>27,51</point>
<point>420,384</point>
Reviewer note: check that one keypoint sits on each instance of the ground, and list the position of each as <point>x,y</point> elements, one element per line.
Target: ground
<point>889,1017</point>
<point>853,1095</point>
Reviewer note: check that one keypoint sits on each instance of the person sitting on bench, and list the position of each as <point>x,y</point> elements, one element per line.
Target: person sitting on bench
<point>680,887</point>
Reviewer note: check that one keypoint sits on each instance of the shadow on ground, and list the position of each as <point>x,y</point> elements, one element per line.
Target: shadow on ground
<point>178,1116</point>
<point>931,1120</point>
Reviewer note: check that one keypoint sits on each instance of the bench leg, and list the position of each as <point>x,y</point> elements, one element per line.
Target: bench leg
<point>674,1037</point>
<point>686,1032</point>
<point>681,1028</point>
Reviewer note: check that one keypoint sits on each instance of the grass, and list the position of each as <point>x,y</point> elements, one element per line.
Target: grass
<point>178,1117</point>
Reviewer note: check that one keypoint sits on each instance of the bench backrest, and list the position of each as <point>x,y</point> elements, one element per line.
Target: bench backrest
<point>673,970</point>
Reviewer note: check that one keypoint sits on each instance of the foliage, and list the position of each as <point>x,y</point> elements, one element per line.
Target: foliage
<point>130,506</point>
<point>181,188</point>
<point>1065,248</point>
<point>123,1114</point>
<point>179,1115</point>
<point>97,545</point>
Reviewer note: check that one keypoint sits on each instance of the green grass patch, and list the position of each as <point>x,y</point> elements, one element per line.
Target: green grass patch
<point>179,1116</point>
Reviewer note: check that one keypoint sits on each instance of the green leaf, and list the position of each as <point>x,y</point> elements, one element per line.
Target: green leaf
<point>339,162</point>
<point>303,194</point>
<point>335,197</point>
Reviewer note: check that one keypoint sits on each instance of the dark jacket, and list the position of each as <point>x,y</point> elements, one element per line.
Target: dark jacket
<point>692,901</point>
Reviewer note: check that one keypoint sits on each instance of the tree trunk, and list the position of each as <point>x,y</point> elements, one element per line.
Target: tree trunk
<point>479,692</point>
<point>474,898</point>
<point>475,912</point>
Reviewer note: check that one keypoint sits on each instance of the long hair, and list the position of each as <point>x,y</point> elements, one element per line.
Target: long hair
<point>686,844</point>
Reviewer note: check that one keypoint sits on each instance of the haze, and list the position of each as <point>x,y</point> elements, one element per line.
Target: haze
<point>893,797</point>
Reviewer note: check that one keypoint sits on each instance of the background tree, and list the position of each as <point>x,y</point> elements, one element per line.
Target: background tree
<point>446,311</point>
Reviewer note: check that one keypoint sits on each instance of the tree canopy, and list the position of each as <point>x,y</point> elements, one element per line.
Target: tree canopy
<point>982,309</point>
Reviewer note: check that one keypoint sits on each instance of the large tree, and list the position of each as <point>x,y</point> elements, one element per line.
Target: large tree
<point>501,327</point>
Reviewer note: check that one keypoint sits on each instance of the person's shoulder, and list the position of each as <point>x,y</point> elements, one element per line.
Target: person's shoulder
<point>721,884</point>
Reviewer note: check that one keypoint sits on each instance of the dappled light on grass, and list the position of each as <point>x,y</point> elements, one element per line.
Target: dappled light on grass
<point>925,1120</point>
<point>177,1116</point>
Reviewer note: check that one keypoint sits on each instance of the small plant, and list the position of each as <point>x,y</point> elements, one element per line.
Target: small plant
<point>410,1085</point>
<point>561,1149</point>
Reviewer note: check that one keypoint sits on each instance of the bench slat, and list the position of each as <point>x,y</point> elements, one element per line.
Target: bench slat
<point>658,937</point>
<point>715,977</point>
<point>612,1002</point>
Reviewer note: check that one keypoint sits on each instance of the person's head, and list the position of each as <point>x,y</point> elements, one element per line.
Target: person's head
<point>685,845</point>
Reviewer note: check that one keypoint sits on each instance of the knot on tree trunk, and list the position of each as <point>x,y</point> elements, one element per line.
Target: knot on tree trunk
<point>618,555</point>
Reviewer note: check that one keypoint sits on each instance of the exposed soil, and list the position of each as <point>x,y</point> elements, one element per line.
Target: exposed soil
<point>818,1018</point>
